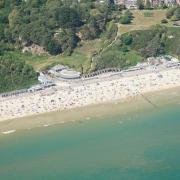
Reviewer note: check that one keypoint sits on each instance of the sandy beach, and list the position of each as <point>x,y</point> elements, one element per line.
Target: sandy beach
<point>67,96</point>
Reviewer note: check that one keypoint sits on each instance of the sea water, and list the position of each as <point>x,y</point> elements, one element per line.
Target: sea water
<point>138,146</point>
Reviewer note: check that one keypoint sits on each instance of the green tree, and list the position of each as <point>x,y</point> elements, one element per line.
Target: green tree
<point>140,4</point>
<point>53,47</point>
<point>127,39</point>
<point>2,3</point>
<point>153,48</point>
<point>15,74</point>
<point>170,12</point>
<point>177,13</point>
<point>67,40</point>
<point>68,17</point>
<point>148,4</point>
<point>125,20</point>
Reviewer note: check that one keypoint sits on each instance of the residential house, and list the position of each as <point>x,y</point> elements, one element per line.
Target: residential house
<point>170,2</point>
<point>119,2</point>
<point>155,2</point>
<point>178,2</point>
<point>131,4</point>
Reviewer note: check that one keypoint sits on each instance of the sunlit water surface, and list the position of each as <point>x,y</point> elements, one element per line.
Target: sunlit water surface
<point>138,146</point>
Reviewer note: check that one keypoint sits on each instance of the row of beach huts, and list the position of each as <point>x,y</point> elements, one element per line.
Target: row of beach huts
<point>59,72</point>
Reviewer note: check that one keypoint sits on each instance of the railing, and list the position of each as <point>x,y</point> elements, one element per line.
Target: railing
<point>14,93</point>
<point>30,90</point>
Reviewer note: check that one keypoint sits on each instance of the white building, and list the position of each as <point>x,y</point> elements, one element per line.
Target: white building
<point>170,2</point>
<point>43,79</point>
<point>131,4</point>
<point>119,2</point>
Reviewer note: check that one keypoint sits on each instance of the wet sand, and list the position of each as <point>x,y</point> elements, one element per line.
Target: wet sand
<point>78,115</point>
<point>85,93</point>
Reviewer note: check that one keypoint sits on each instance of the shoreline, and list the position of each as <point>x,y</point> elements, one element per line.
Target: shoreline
<point>78,115</point>
<point>72,96</point>
<point>67,95</point>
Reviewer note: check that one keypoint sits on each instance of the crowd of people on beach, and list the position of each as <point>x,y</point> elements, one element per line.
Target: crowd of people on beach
<point>78,94</point>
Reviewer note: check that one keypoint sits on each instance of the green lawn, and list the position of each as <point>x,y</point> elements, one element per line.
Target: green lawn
<point>80,60</point>
<point>143,19</point>
<point>77,61</point>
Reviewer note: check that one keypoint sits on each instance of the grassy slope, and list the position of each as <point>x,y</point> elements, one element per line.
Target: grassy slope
<point>81,58</point>
<point>118,59</point>
<point>173,44</point>
<point>140,22</point>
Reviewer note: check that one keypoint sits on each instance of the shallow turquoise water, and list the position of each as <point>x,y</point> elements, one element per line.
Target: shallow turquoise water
<point>142,146</point>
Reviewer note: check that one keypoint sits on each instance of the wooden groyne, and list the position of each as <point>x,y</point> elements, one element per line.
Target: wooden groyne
<point>148,100</point>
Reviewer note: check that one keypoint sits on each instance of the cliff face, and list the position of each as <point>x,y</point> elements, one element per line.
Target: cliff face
<point>34,49</point>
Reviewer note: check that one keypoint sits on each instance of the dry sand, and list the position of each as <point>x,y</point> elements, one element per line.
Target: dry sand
<point>69,96</point>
